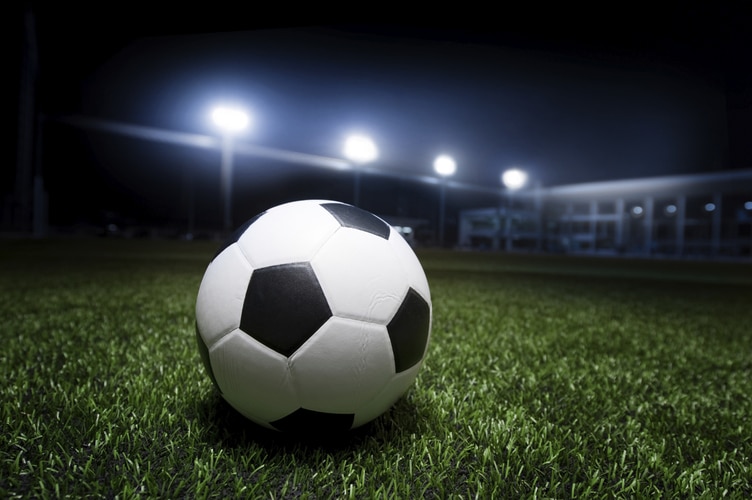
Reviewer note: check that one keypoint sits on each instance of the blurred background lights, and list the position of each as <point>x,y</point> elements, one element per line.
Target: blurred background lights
<point>637,210</point>
<point>230,119</point>
<point>514,178</point>
<point>748,205</point>
<point>670,209</point>
<point>360,149</point>
<point>445,165</point>
<point>709,207</point>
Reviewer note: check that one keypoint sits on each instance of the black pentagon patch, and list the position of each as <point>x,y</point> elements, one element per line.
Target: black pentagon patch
<point>203,350</point>
<point>408,331</point>
<point>309,421</point>
<point>235,236</point>
<point>284,306</point>
<point>354,217</point>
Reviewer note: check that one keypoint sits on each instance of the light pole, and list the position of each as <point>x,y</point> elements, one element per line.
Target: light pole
<point>513,179</point>
<point>445,166</point>
<point>359,149</point>
<point>230,121</point>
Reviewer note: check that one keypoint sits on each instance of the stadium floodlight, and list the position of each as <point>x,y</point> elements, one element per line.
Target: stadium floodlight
<point>359,149</point>
<point>445,166</point>
<point>514,178</point>
<point>230,121</point>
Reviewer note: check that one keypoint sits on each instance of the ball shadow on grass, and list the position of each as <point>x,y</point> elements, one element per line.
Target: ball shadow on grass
<point>226,427</point>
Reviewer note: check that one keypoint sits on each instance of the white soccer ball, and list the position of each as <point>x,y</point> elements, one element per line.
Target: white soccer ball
<point>314,315</point>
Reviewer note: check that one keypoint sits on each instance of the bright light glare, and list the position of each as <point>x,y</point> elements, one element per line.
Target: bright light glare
<point>670,209</point>
<point>637,210</point>
<point>748,205</point>
<point>445,165</point>
<point>230,119</point>
<point>361,149</point>
<point>709,207</point>
<point>514,178</point>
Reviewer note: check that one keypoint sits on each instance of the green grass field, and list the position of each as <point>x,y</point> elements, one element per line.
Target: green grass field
<point>547,377</point>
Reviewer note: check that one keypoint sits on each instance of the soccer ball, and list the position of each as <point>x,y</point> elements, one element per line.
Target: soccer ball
<point>314,315</point>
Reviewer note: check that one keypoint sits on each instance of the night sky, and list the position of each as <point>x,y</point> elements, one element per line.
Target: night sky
<point>633,93</point>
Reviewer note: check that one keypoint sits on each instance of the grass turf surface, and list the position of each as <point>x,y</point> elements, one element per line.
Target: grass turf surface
<point>546,377</point>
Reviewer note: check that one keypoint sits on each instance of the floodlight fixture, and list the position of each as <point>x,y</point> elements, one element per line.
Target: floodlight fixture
<point>514,178</point>
<point>444,165</point>
<point>230,119</point>
<point>360,149</point>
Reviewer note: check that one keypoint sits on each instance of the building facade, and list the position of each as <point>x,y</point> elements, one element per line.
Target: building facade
<point>703,216</point>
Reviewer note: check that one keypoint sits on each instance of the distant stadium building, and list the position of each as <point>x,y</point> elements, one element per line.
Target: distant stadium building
<point>703,216</point>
